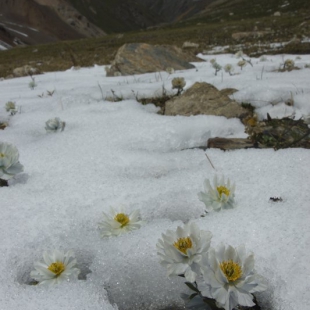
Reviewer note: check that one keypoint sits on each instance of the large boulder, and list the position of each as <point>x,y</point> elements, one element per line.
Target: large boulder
<point>138,58</point>
<point>204,98</point>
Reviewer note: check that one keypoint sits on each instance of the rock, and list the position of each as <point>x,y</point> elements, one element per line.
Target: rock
<point>238,36</point>
<point>277,14</point>
<point>188,44</point>
<point>23,71</point>
<point>204,98</point>
<point>138,58</point>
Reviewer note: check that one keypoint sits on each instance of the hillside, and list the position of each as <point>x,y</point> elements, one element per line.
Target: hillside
<point>209,28</point>
<point>28,22</point>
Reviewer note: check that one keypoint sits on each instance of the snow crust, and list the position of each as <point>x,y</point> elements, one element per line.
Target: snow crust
<point>123,153</point>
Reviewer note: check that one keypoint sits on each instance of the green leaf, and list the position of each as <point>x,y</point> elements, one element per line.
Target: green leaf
<point>192,287</point>
<point>192,296</point>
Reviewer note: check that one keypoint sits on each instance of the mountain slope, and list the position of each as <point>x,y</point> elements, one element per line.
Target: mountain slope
<point>36,21</point>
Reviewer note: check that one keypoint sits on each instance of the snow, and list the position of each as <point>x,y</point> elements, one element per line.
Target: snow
<point>124,153</point>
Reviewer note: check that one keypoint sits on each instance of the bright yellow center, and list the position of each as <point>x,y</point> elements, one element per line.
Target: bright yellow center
<point>223,190</point>
<point>1,155</point>
<point>231,270</point>
<point>122,218</point>
<point>57,268</point>
<point>183,244</point>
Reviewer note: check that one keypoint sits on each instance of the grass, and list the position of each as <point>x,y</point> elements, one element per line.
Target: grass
<point>207,31</point>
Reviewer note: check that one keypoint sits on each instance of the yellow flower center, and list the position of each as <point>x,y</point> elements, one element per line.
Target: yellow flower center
<point>223,190</point>
<point>2,155</point>
<point>122,218</point>
<point>231,270</point>
<point>58,268</point>
<point>183,244</point>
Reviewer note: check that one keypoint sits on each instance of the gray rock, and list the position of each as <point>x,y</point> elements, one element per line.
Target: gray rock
<point>138,58</point>
<point>204,98</point>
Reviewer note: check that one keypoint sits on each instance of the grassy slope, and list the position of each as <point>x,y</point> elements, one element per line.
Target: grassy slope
<point>110,14</point>
<point>202,30</point>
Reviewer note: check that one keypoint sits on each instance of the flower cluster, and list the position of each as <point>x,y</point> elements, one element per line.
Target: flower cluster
<point>221,196</point>
<point>224,276</point>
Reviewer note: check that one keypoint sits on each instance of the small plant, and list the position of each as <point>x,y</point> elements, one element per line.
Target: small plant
<point>114,98</point>
<point>3,125</point>
<point>242,63</point>
<point>50,93</point>
<point>217,67</point>
<point>11,107</point>
<point>229,69</point>
<point>288,65</point>
<point>179,84</point>
<point>9,163</point>
<point>55,125</point>
<point>219,278</point>
<point>307,66</point>
<point>169,70</point>
<point>32,84</point>
<point>212,61</point>
<point>239,54</point>
<point>263,58</point>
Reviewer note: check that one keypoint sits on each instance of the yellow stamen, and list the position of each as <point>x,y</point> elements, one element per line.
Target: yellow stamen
<point>2,155</point>
<point>223,190</point>
<point>122,218</point>
<point>58,268</point>
<point>183,244</point>
<point>231,270</point>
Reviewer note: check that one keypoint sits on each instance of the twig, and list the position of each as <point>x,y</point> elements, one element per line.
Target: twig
<point>101,91</point>
<point>210,161</point>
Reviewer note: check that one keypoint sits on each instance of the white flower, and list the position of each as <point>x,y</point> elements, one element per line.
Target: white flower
<point>58,266</point>
<point>241,63</point>
<point>169,70</point>
<point>239,54</point>
<point>229,277</point>
<point>221,196</point>
<point>229,68</point>
<point>178,83</point>
<point>181,250</point>
<point>289,64</point>
<point>118,222</point>
<point>9,164</point>
<point>54,125</point>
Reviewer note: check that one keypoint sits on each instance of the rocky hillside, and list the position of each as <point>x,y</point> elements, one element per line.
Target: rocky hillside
<point>41,21</point>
